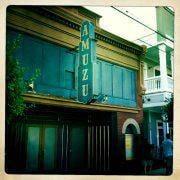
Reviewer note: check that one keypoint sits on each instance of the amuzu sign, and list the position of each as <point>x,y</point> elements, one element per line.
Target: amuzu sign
<point>87,55</point>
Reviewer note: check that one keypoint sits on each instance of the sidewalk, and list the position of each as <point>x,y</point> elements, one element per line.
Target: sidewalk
<point>161,171</point>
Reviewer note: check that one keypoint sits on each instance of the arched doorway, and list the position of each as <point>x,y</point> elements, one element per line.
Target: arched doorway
<point>131,131</point>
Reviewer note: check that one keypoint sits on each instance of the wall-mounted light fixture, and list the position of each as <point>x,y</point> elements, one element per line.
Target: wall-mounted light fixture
<point>98,98</point>
<point>30,87</point>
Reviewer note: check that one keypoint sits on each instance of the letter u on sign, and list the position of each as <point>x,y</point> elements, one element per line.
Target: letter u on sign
<point>85,89</point>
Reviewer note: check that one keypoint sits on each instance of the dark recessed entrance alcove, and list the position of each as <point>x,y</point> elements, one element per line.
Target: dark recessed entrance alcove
<point>60,140</point>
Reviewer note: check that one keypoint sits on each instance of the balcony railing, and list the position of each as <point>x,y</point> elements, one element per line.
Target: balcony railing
<point>153,84</point>
<point>170,83</point>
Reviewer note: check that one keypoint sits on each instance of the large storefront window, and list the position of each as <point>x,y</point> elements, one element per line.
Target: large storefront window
<point>59,69</point>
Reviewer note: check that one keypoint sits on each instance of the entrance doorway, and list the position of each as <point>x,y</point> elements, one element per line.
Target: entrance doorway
<point>77,147</point>
<point>160,132</point>
<point>68,142</point>
<point>131,131</point>
<point>99,145</point>
<point>41,147</point>
<point>130,142</point>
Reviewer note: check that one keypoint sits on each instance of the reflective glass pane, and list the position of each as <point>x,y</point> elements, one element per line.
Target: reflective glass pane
<point>32,148</point>
<point>129,146</point>
<point>49,148</point>
<point>77,148</point>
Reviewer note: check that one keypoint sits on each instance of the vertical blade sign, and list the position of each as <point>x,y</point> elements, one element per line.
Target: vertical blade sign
<point>86,59</point>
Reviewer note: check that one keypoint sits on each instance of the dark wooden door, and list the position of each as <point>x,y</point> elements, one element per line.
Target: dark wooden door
<point>99,147</point>
<point>78,147</point>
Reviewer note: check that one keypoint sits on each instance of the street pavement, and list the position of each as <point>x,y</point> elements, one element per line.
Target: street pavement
<point>161,171</point>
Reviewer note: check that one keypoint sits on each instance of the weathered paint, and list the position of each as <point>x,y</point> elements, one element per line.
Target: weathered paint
<point>116,82</point>
<point>59,71</point>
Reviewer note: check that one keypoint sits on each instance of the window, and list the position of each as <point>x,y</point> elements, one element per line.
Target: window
<point>129,146</point>
<point>116,82</point>
<point>157,72</point>
<point>69,80</point>
<point>56,64</point>
<point>41,147</point>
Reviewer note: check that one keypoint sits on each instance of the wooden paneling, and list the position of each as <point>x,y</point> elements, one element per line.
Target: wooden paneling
<point>58,67</point>
<point>50,65</point>
<point>107,78</point>
<point>118,83</point>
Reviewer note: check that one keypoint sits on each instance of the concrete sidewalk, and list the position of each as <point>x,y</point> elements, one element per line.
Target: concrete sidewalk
<point>161,171</point>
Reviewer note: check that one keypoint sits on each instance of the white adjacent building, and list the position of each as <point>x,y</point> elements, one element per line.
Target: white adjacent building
<point>158,78</point>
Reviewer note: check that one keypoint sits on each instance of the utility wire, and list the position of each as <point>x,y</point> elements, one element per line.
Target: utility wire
<point>142,24</point>
<point>145,36</point>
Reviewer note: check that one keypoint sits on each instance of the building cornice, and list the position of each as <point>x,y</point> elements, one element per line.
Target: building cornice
<point>58,101</point>
<point>75,23</point>
<point>27,21</point>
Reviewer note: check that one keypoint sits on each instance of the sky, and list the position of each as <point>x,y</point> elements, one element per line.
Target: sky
<point>121,25</point>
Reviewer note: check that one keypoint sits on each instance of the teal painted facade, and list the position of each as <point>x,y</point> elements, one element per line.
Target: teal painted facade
<point>59,70</point>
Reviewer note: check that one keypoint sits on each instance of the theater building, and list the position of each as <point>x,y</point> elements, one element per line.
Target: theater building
<point>87,100</point>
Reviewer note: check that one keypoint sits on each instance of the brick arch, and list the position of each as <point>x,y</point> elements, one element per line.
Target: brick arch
<point>132,122</point>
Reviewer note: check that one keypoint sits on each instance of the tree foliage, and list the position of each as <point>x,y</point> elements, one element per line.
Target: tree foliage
<point>169,109</point>
<point>15,84</point>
